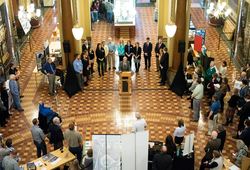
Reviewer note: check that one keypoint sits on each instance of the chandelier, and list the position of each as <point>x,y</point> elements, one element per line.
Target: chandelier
<point>170,29</point>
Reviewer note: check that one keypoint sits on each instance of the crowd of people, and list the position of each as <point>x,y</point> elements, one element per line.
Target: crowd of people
<point>211,84</point>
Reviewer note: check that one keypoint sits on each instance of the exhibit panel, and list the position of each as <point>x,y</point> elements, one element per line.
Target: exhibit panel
<point>128,147</point>
<point>141,150</point>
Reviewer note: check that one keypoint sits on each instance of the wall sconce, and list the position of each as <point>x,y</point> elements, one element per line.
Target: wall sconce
<point>76,30</point>
<point>170,30</point>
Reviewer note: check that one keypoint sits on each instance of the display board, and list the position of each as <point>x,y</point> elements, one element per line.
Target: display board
<point>106,151</point>
<point>116,152</point>
<point>24,21</point>
<point>189,144</point>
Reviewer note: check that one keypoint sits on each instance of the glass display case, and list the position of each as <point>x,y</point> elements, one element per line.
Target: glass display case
<point>124,12</point>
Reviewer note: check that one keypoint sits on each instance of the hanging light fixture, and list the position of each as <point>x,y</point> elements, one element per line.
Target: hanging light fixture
<point>170,29</point>
<point>77,31</point>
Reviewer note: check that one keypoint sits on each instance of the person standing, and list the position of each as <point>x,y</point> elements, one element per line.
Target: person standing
<point>245,134</point>
<point>179,132</point>
<point>106,52</point>
<point>129,51</point>
<point>222,136</point>
<point>111,54</point>
<point>147,50</point>
<point>14,90</point>
<point>13,70</point>
<point>140,123</point>
<point>197,96</point>
<point>100,57</point>
<point>212,145</point>
<point>137,56</point>
<point>49,69</point>
<point>164,62</point>
<point>56,134</point>
<point>121,50</point>
<point>85,67</point>
<point>85,45</point>
<point>213,114</point>
<point>9,162</point>
<point>159,45</point>
<point>78,67</point>
<point>124,65</point>
<point>73,140</point>
<point>38,138</point>
<point>91,59</point>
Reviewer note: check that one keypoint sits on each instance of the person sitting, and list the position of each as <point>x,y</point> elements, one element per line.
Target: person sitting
<point>171,147</point>
<point>242,150</point>
<point>179,132</point>
<point>162,161</point>
<point>124,65</point>
<point>216,163</point>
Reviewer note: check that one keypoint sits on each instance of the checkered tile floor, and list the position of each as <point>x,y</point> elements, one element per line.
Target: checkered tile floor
<point>100,109</point>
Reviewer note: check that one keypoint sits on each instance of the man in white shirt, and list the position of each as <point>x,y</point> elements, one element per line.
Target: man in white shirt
<point>140,123</point>
<point>197,96</point>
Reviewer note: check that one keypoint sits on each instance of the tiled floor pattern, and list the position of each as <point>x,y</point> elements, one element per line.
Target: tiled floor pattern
<point>100,110</point>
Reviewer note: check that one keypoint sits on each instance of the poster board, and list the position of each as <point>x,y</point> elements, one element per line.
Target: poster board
<point>116,152</point>
<point>24,21</point>
<point>189,144</point>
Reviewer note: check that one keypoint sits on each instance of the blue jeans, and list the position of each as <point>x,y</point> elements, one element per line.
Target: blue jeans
<point>110,16</point>
<point>196,108</point>
<point>76,151</point>
<point>95,15</point>
<point>40,148</point>
<point>16,101</point>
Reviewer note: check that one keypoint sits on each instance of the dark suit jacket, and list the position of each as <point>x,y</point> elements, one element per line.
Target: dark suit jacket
<point>164,61</point>
<point>137,52</point>
<point>222,136</point>
<point>127,51</point>
<point>100,54</point>
<point>212,145</point>
<point>147,48</point>
<point>56,134</point>
<point>125,67</point>
<point>162,161</point>
<point>84,47</point>
<point>157,48</point>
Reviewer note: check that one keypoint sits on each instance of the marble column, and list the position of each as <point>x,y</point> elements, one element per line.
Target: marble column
<point>67,25</point>
<point>181,31</point>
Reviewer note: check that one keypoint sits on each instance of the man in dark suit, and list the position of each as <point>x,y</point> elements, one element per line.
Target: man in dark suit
<point>124,65</point>
<point>162,161</point>
<point>147,50</point>
<point>159,45</point>
<point>164,66</point>
<point>129,51</point>
<point>213,144</point>
<point>85,46</point>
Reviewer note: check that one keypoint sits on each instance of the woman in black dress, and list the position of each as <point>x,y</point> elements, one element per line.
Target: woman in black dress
<point>100,56</point>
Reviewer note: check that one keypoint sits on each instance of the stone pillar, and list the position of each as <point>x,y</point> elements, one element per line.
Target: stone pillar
<point>15,7</point>
<point>67,25</point>
<point>187,31</point>
<point>181,31</point>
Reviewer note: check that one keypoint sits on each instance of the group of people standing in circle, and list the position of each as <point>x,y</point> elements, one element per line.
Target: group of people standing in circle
<point>129,58</point>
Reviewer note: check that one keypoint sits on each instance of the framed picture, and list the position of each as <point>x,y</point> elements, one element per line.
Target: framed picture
<point>172,10</point>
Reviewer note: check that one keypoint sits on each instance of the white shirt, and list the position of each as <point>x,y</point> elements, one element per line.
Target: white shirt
<point>219,161</point>
<point>139,125</point>
<point>180,131</point>
<point>198,92</point>
<point>223,71</point>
